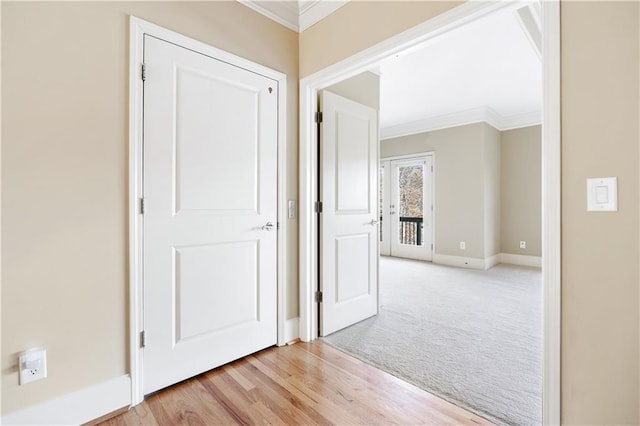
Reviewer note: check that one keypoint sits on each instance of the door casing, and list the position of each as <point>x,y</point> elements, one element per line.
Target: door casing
<point>389,163</point>
<point>551,170</point>
<point>138,28</point>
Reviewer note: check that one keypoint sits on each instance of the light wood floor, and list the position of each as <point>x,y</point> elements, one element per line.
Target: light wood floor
<point>305,383</point>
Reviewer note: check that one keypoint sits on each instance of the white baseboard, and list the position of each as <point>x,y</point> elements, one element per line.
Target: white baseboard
<point>459,261</point>
<point>492,261</point>
<point>520,259</point>
<point>489,262</point>
<point>291,329</point>
<point>77,407</point>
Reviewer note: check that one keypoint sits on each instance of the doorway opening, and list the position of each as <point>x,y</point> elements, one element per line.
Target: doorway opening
<point>550,175</point>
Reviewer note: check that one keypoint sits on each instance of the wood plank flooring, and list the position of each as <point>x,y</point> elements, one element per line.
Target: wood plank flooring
<point>305,383</point>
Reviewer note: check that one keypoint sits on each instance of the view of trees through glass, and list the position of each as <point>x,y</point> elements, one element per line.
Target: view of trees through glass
<point>411,202</point>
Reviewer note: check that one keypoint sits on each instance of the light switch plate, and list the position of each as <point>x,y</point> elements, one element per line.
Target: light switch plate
<point>602,194</point>
<point>291,209</point>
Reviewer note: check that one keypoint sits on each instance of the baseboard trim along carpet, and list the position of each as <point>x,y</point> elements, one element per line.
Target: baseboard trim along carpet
<point>77,407</point>
<point>487,263</point>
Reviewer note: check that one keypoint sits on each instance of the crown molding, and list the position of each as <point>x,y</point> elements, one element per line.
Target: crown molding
<point>314,11</point>
<point>462,118</point>
<point>277,10</point>
<point>297,16</point>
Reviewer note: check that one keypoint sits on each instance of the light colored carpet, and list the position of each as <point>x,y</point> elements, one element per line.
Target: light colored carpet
<point>470,337</point>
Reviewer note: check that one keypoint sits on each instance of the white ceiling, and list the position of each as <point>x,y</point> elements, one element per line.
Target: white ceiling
<point>489,70</point>
<point>297,15</point>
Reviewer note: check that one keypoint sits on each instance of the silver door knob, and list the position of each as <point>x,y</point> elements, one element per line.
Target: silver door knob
<point>268,226</point>
<point>374,222</point>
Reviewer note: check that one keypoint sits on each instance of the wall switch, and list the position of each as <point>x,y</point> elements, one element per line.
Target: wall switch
<point>291,209</point>
<point>463,245</point>
<point>523,244</point>
<point>32,365</point>
<point>602,194</point>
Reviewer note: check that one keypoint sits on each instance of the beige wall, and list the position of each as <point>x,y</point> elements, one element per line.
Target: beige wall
<point>363,88</point>
<point>459,184</point>
<point>509,168</point>
<point>600,252</point>
<point>361,24</point>
<point>492,196</point>
<point>64,175</point>
<point>521,165</point>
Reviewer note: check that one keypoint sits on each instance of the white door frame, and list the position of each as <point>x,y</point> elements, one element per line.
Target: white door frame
<point>367,59</point>
<point>417,155</point>
<point>138,28</point>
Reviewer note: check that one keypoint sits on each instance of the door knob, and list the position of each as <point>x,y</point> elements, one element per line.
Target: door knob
<point>374,222</point>
<point>268,226</point>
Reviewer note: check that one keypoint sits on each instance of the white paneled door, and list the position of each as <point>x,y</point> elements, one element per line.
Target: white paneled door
<point>210,170</point>
<point>349,218</point>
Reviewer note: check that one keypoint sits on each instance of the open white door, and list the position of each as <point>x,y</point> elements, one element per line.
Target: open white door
<point>210,164</point>
<point>349,219</point>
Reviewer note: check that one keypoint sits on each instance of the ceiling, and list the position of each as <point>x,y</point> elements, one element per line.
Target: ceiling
<point>489,70</point>
<point>296,15</point>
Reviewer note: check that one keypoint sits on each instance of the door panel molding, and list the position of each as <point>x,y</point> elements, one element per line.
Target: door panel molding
<point>138,29</point>
<point>371,57</point>
<point>349,241</point>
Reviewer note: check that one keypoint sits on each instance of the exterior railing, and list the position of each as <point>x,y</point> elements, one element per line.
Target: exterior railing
<point>410,230</point>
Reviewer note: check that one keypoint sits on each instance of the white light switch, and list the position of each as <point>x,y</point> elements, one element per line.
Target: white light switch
<point>291,212</point>
<point>602,194</point>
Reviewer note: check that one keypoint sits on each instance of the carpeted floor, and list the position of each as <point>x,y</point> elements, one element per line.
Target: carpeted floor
<point>470,337</point>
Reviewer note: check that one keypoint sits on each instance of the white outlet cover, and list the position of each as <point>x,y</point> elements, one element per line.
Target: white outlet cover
<point>32,365</point>
<point>602,194</point>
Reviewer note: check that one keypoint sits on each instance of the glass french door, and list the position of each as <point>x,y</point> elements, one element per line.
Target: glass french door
<point>406,207</point>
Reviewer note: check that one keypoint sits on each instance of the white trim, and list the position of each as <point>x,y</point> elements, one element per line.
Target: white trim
<point>77,407</point>
<point>138,28</point>
<point>459,261</point>
<point>316,11</point>
<point>529,20</point>
<point>412,38</point>
<point>551,218</point>
<point>462,118</point>
<point>492,261</point>
<point>295,15</point>
<point>277,11</point>
<point>283,220</point>
<point>521,260</point>
<point>291,329</point>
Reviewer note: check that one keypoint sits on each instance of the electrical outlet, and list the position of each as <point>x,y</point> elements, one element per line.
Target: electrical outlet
<point>32,365</point>
<point>523,244</point>
<point>463,245</point>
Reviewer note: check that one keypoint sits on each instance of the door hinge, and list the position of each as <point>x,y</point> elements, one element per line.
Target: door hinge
<point>318,207</point>
<point>431,207</point>
<point>142,342</point>
<point>143,74</point>
<point>141,205</point>
<point>318,117</point>
<point>431,247</point>
<point>431,169</point>
<point>318,297</point>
